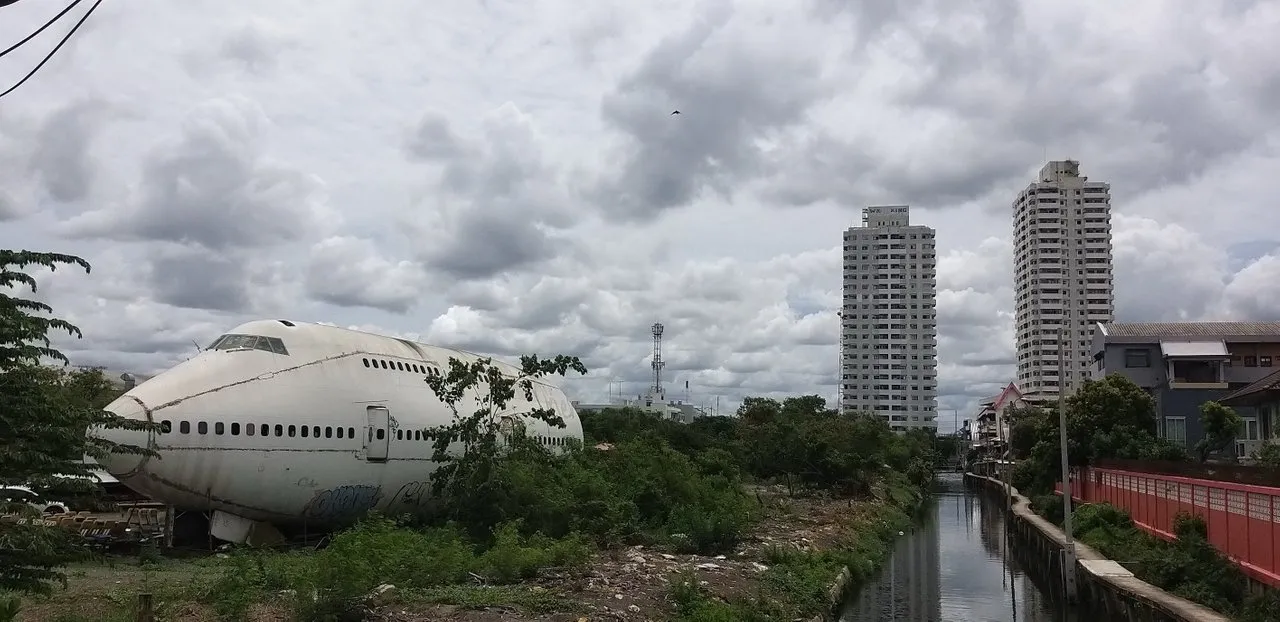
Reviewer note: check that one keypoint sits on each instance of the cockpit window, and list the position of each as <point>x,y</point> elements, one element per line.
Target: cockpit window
<point>235,341</point>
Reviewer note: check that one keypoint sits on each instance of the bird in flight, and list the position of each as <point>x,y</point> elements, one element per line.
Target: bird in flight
<point>675,112</point>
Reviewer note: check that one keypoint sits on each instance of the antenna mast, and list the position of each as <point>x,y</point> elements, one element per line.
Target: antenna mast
<point>658,363</point>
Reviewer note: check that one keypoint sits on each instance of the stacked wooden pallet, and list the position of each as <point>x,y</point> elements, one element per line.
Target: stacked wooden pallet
<point>138,524</point>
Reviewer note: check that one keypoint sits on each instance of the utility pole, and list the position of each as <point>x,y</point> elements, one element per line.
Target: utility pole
<point>1069,552</point>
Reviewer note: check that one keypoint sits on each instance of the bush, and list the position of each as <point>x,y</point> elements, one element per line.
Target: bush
<point>506,507</point>
<point>330,584</point>
<point>1189,566</point>
<point>1049,507</point>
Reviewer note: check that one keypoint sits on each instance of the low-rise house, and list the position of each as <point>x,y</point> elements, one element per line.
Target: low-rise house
<point>993,424</point>
<point>1263,396</point>
<point>1185,364</point>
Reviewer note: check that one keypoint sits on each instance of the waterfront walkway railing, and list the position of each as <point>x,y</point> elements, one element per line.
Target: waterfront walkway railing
<point>1243,519</point>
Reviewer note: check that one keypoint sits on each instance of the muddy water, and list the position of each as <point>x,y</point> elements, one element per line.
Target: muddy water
<point>954,566</point>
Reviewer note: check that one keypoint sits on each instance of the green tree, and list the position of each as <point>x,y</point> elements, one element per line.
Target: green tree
<point>1106,419</point>
<point>1026,426</point>
<point>1221,427</point>
<point>1268,455</point>
<point>44,417</point>
<point>469,448</point>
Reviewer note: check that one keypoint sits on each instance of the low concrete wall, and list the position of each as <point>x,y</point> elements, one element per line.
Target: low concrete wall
<point>837,593</point>
<point>1107,586</point>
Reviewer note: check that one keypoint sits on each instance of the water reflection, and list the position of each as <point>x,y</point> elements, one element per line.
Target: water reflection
<point>954,566</point>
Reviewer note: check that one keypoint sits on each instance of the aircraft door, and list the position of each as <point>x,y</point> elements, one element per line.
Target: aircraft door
<point>377,436</point>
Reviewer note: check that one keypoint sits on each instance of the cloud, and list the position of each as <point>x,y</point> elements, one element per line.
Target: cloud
<point>349,272</point>
<point>213,187</point>
<point>509,178</point>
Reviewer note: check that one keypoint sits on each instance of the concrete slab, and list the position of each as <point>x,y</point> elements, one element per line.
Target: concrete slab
<point>1105,568</point>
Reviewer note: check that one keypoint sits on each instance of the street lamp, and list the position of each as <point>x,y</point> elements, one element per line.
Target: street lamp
<point>1069,551</point>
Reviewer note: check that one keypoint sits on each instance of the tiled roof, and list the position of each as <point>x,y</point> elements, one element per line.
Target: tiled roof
<point>1193,329</point>
<point>1267,383</point>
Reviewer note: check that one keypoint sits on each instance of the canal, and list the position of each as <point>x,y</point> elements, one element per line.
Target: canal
<point>954,566</point>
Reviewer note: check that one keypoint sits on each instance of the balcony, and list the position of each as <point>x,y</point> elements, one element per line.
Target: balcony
<point>1195,364</point>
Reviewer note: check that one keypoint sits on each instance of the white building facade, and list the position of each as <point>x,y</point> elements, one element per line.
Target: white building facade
<point>889,334</point>
<point>1062,276</point>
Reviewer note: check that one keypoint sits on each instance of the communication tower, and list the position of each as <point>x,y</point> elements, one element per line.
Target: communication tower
<point>657,364</point>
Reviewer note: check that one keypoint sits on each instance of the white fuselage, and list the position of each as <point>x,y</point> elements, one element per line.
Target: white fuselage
<point>290,422</point>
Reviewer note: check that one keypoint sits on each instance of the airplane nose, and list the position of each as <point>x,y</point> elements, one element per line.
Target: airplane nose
<point>124,465</point>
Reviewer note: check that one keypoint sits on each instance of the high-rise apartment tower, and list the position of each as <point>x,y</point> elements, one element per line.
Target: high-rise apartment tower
<point>889,335</point>
<point>1062,275</point>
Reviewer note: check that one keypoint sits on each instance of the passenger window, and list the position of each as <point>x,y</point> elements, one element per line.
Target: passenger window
<point>366,362</point>
<point>417,435</point>
<point>351,432</point>
<point>184,427</point>
<point>293,431</point>
<point>218,428</point>
<point>381,434</point>
<point>235,429</point>
<point>166,427</point>
<point>202,427</point>
<point>339,432</point>
<point>383,364</point>
<point>249,429</point>
<point>279,430</point>
<point>328,431</point>
<point>315,431</point>
<point>399,435</point>
<point>265,430</point>
<point>305,429</point>
<point>400,366</point>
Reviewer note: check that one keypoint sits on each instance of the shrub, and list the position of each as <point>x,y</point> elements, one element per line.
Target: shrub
<point>330,584</point>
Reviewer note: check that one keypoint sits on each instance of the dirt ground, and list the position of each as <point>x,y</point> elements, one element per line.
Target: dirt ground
<point>632,584</point>
<point>108,592</point>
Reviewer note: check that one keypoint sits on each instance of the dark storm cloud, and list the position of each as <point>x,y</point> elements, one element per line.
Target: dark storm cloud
<point>8,207</point>
<point>433,139</point>
<point>61,159</point>
<point>197,279</point>
<point>1014,99</point>
<point>501,205</point>
<point>213,188</point>
<point>253,46</point>
<point>1242,254</point>
<point>487,244</point>
<point>351,272</point>
<point>725,107</point>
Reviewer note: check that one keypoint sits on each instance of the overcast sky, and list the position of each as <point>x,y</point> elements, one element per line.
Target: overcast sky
<point>507,177</point>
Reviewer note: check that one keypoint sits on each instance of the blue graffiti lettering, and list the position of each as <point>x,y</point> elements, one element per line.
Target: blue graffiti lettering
<point>343,502</point>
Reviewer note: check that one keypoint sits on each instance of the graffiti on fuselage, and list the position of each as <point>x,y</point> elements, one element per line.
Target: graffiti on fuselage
<point>411,495</point>
<point>342,502</point>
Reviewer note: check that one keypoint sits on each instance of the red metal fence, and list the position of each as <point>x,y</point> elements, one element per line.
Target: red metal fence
<point>1243,519</point>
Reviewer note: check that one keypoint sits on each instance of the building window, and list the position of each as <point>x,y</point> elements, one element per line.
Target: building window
<point>1250,361</point>
<point>1134,357</point>
<point>1175,430</point>
<point>1264,361</point>
<point>1251,429</point>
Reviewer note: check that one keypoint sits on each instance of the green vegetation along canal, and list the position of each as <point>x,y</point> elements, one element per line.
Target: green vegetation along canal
<point>956,567</point>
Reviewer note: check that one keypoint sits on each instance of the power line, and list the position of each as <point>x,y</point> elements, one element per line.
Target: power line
<point>55,49</point>
<point>46,25</point>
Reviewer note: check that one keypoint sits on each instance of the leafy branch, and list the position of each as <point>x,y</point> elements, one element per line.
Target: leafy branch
<point>479,394</point>
<point>45,416</point>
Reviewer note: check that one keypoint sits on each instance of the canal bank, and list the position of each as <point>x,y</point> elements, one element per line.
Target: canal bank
<point>1110,589</point>
<point>956,564</point>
